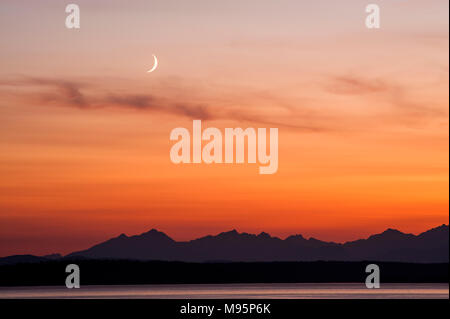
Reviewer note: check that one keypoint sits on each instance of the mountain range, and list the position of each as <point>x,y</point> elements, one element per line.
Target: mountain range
<point>431,246</point>
<point>391,245</point>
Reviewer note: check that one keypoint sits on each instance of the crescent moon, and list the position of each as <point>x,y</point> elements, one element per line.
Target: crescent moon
<point>155,64</point>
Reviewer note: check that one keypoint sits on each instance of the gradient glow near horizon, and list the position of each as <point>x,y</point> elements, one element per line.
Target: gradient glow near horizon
<point>84,129</point>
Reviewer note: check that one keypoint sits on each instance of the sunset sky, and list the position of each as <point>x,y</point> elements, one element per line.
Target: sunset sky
<point>362,116</point>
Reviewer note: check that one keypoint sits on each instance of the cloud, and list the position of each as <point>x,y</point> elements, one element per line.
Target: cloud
<point>70,93</point>
<point>356,85</point>
<point>84,95</point>
<point>406,101</point>
<point>152,103</point>
<point>67,92</point>
<point>401,105</point>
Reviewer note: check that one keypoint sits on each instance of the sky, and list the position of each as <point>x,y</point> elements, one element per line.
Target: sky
<point>362,116</point>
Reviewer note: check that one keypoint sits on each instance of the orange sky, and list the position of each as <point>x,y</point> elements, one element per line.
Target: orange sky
<point>84,130</point>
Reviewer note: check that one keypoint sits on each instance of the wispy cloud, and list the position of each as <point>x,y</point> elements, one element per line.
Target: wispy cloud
<point>85,95</point>
<point>153,103</point>
<point>69,92</point>
<point>401,97</point>
<point>297,114</point>
<point>72,94</point>
<point>356,85</point>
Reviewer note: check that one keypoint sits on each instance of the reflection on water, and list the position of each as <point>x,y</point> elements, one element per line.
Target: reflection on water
<point>224,291</point>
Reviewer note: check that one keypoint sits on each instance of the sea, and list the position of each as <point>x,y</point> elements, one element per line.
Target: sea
<point>235,291</point>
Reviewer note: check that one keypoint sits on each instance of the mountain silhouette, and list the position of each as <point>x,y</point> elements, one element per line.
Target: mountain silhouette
<point>431,246</point>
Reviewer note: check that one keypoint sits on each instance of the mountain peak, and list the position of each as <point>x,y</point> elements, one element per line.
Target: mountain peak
<point>391,234</point>
<point>443,227</point>
<point>232,232</point>
<point>154,233</point>
<point>392,231</point>
<point>437,231</point>
<point>296,237</point>
<point>264,235</point>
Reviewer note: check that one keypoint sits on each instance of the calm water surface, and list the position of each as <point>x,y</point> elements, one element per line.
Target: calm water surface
<point>226,291</point>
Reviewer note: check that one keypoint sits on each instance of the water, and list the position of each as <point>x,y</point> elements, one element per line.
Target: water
<point>242,291</point>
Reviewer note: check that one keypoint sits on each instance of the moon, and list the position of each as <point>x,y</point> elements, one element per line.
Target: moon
<point>155,64</point>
